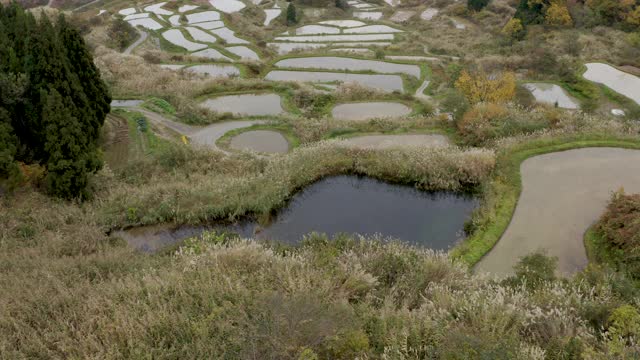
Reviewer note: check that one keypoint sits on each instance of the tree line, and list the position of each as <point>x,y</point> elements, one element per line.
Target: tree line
<point>622,14</point>
<point>53,102</point>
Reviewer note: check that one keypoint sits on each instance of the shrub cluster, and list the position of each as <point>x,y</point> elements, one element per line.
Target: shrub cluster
<point>619,226</point>
<point>488,121</point>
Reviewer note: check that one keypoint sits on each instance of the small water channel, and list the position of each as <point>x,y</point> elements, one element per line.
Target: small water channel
<point>342,204</point>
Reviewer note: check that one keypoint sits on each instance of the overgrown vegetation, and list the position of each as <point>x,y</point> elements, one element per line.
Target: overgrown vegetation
<point>121,33</point>
<point>72,289</point>
<point>615,239</point>
<point>339,299</point>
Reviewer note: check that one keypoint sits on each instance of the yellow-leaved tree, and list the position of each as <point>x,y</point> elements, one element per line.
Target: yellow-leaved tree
<point>479,87</point>
<point>514,29</point>
<point>558,15</point>
<point>633,17</point>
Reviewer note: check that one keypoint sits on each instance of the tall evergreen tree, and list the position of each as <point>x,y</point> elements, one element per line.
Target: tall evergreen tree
<point>477,5</point>
<point>8,144</point>
<point>530,12</point>
<point>96,100</point>
<point>12,88</point>
<point>62,102</point>
<point>71,155</point>
<point>292,17</point>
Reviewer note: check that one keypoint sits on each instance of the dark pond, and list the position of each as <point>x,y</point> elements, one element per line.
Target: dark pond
<point>343,204</point>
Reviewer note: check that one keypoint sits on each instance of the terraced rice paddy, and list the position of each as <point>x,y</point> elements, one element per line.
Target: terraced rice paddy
<point>203,17</point>
<point>211,54</point>
<point>157,9</point>
<point>344,63</point>
<point>552,94</point>
<point>362,5</point>
<point>284,48</point>
<point>372,29</point>
<point>205,28</point>
<point>334,38</point>
<point>209,135</point>
<point>246,104</point>
<point>402,16</point>
<point>136,16</point>
<point>315,30</point>
<point>200,35</point>
<point>214,70</point>
<point>271,14</point>
<point>386,83</point>
<point>620,82</point>
<point>186,8</point>
<point>262,141</point>
<point>146,23</point>
<point>175,20</point>
<point>343,23</point>
<point>369,110</point>
<point>127,11</point>
<point>243,52</point>
<point>172,66</point>
<point>368,15</point>
<point>429,14</point>
<point>563,193</point>
<point>176,37</point>
<point>228,36</point>
<point>334,31</point>
<point>287,47</point>
<point>361,51</point>
<point>209,25</point>
<point>411,58</point>
<point>227,6</point>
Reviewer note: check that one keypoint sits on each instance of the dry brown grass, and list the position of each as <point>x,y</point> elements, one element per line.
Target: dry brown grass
<point>71,292</point>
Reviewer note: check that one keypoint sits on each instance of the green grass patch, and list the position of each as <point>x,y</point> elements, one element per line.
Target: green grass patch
<point>159,105</point>
<point>596,248</point>
<point>143,138</point>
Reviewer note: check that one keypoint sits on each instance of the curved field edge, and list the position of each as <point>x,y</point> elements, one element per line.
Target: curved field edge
<point>267,185</point>
<point>285,130</point>
<point>502,192</point>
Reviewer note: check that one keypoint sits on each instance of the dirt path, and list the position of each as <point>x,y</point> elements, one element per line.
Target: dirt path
<point>420,92</point>
<point>181,128</point>
<point>208,135</point>
<point>116,141</point>
<point>85,5</point>
<point>563,193</point>
<point>199,135</point>
<point>140,40</point>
